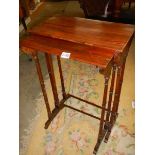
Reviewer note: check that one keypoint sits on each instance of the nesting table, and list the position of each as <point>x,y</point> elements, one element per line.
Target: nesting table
<point>100,43</point>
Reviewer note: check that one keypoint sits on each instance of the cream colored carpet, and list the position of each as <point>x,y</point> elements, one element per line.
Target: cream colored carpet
<point>74,133</point>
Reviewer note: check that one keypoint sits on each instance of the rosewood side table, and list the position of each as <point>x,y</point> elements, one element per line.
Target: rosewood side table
<point>103,44</point>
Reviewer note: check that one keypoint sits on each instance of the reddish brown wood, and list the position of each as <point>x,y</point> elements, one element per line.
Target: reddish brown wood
<point>99,39</point>
<point>82,112</point>
<point>93,104</point>
<point>85,31</point>
<point>35,57</point>
<point>119,82</point>
<point>101,128</point>
<point>86,101</point>
<point>114,114</point>
<point>110,126</point>
<point>111,93</point>
<point>52,78</point>
<point>119,79</point>
<point>83,53</point>
<point>94,42</point>
<point>56,111</point>
<point>61,78</point>
<point>117,91</point>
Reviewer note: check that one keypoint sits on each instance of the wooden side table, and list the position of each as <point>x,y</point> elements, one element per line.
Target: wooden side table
<point>102,44</point>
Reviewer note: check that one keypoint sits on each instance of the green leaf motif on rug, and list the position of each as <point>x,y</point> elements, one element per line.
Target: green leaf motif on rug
<point>96,110</point>
<point>93,95</point>
<point>93,82</point>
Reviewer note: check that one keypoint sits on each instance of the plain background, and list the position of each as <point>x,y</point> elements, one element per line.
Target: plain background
<point>144,75</point>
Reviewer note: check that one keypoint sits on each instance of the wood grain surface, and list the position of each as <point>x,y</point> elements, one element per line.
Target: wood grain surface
<point>91,41</point>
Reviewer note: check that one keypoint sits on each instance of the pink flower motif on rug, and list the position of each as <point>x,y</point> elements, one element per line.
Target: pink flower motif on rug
<point>54,123</point>
<point>50,148</point>
<point>75,136</point>
<point>78,139</point>
<point>72,113</point>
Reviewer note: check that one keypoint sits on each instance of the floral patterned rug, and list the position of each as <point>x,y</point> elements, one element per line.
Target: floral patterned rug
<point>72,133</point>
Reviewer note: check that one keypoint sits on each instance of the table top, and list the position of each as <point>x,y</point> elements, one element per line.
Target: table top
<point>86,31</point>
<point>91,41</point>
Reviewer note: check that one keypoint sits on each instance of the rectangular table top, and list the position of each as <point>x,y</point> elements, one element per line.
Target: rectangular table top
<point>86,31</point>
<point>91,41</point>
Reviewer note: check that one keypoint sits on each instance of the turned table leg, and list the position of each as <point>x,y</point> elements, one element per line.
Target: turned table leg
<point>61,77</point>
<point>52,78</point>
<point>120,85</point>
<point>111,93</point>
<point>107,124</point>
<point>59,105</point>
<point>102,131</point>
<point>36,60</point>
<point>119,80</point>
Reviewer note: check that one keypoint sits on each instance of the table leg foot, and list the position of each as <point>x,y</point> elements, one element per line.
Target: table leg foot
<point>53,115</point>
<point>47,123</point>
<point>99,142</point>
<point>109,127</point>
<point>107,136</point>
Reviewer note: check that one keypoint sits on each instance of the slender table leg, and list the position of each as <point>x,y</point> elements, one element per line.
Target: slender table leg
<point>119,80</point>
<point>110,96</point>
<point>102,131</point>
<point>61,77</point>
<point>59,105</point>
<point>35,57</point>
<point>120,85</point>
<point>52,78</point>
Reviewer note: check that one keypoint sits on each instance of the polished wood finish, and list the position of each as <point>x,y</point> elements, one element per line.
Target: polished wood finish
<point>93,104</point>
<point>38,67</point>
<point>86,101</point>
<point>55,111</point>
<point>91,55</point>
<point>61,78</point>
<point>52,78</point>
<point>102,131</point>
<point>96,33</point>
<point>111,92</point>
<point>102,44</point>
<point>82,112</point>
<point>119,80</point>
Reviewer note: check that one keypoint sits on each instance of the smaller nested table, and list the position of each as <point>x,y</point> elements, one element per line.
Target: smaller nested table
<point>100,43</point>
